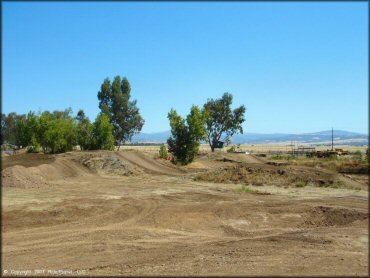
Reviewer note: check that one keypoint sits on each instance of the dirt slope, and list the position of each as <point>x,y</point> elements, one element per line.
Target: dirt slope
<point>148,163</point>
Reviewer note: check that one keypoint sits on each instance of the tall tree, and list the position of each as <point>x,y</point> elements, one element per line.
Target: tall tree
<point>114,100</point>
<point>105,97</point>
<point>222,120</point>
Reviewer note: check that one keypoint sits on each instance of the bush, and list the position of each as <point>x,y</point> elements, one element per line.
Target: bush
<point>231,150</point>
<point>357,155</point>
<point>163,151</point>
<point>300,184</point>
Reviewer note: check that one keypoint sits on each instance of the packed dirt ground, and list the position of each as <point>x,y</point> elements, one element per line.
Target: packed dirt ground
<point>129,213</point>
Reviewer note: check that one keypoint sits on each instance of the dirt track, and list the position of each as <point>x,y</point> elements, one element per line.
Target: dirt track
<point>149,164</point>
<point>107,215</point>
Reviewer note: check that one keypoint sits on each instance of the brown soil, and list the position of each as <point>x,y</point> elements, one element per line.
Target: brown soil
<point>266,174</point>
<point>149,164</point>
<point>125,213</point>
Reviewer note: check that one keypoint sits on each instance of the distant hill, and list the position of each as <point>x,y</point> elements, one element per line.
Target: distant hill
<point>156,137</point>
<point>317,138</point>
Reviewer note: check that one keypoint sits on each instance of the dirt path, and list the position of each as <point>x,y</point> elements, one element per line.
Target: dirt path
<point>105,223</point>
<point>149,164</point>
<point>250,158</point>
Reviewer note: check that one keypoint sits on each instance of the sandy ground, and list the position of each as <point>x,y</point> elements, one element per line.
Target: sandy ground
<point>126,213</point>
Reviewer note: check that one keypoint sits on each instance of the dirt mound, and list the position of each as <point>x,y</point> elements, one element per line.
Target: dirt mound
<point>259,174</point>
<point>27,160</point>
<point>149,164</point>
<point>22,177</point>
<point>41,175</point>
<point>229,157</point>
<point>105,163</point>
<point>327,216</point>
<point>38,170</point>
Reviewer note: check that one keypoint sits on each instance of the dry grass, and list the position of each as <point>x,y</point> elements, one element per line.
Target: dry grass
<point>246,189</point>
<point>348,165</point>
<point>257,148</point>
<point>277,176</point>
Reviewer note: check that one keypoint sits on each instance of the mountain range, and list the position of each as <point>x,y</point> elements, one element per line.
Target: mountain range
<point>341,137</point>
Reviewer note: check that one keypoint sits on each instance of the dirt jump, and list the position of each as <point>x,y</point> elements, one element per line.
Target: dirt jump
<point>148,163</point>
<point>127,213</point>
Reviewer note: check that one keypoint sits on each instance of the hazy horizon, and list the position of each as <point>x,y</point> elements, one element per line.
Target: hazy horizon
<point>311,132</point>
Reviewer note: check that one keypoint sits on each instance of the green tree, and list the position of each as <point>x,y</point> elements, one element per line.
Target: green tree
<point>3,128</point>
<point>186,135</point>
<point>105,97</point>
<point>26,129</point>
<point>44,122</point>
<point>114,101</point>
<point>222,120</point>
<point>23,132</point>
<point>84,131</point>
<point>12,127</point>
<point>56,131</point>
<point>103,133</point>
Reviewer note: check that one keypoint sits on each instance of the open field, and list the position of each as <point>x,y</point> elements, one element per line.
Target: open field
<point>129,213</point>
<point>257,148</point>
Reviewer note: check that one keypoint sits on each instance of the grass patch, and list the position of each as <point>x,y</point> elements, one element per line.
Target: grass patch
<point>283,157</point>
<point>246,189</point>
<point>300,184</point>
<point>353,164</point>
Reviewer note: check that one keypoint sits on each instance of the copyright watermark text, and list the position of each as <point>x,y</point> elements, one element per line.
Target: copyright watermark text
<point>40,272</point>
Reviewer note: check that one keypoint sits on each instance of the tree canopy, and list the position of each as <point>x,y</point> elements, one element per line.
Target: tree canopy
<point>57,131</point>
<point>186,134</point>
<point>221,120</point>
<point>84,131</point>
<point>114,101</point>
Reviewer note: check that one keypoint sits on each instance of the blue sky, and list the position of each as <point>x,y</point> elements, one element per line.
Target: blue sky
<point>297,67</point>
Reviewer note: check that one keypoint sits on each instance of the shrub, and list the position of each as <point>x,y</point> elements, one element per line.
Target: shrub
<point>300,184</point>
<point>246,189</point>
<point>231,150</point>
<point>163,151</point>
<point>186,135</point>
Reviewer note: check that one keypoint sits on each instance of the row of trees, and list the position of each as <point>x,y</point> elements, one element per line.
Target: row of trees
<point>215,121</point>
<point>118,121</point>
<point>56,131</point>
<point>59,131</point>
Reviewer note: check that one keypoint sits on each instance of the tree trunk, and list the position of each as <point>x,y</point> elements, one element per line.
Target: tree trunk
<point>119,145</point>
<point>212,148</point>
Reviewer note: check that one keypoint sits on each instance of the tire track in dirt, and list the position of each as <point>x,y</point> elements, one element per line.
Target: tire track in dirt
<point>167,224</point>
<point>148,164</point>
